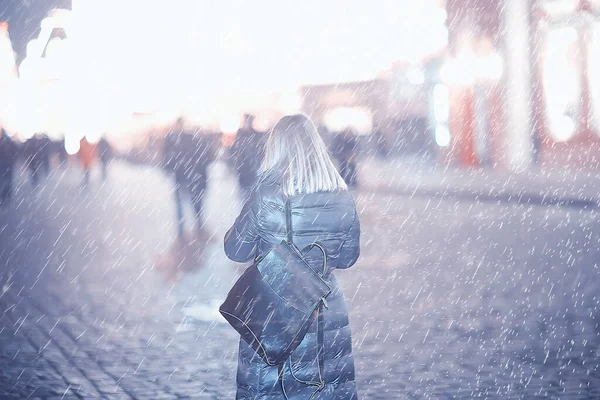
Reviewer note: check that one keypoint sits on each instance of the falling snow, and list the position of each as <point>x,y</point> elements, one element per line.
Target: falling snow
<point>476,298</point>
<point>471,283</point>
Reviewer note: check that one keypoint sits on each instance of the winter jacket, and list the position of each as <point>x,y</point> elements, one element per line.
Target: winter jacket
<point>189,154</point>
<point>329,218</point>
<point>247,153</point>
<point>345,146</point>
<point>104,150</point>
<point>87,153</point>
<point>8,152</point>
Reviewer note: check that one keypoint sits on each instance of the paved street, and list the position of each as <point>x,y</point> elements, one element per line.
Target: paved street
<point>450,298</point>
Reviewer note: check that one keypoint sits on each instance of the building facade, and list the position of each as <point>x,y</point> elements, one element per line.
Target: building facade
<point>539,103</point>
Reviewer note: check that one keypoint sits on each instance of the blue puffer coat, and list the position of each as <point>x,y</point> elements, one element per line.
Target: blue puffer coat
<point>329,218</point>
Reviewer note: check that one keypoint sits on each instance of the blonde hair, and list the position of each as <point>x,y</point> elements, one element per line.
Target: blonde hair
<point>296,157</point>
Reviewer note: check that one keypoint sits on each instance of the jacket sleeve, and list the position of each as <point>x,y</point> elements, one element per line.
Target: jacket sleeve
<point>241,240</point>
<point>351,246</point>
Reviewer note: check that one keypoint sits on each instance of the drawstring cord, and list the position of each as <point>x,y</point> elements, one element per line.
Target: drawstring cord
<point>320,360</point>
<point>320,319</point>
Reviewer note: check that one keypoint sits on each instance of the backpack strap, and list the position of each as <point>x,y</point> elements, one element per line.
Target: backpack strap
<point>320,319</point>
<point>288,221</point>
<point>321,347</point>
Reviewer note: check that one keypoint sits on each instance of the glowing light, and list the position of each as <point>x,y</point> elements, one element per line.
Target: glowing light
<point>72,145</point>
<point>264,121</point>
<point>359,119</point>
<point>560,8</point>
<point>33,49</point>
<point>230,125</point>
<point>93,137</point>
<point>460,70</point>
<point>562,83</point>
<point>442,135</point>
<point>7,59</point>
<point>47,24</point>
<point>594,75</point>
<point>563,128</point>
<point>143,43</point>
<point>489,68</point>
<point>415,76</point>
<point>439,14</point>
<point>61,17</point>
<point>290,102</point>
<point>467,69</point>
<point>44,36</point>
<point>54,48</point>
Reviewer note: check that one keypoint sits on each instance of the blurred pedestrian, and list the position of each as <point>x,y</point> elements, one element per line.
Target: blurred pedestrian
<point>87,157</point>
<point>247,152</point>
<point>188,155</point>
<point>34,155</point>
<point>326,135</point>
<point>297,168</point>
<point>345,150</point>
<point>380,143</point>
<point>45,153</point>
<point>105,155</point>
<point>536,143</point>
<point>61,151</point>
<point>8,156</point>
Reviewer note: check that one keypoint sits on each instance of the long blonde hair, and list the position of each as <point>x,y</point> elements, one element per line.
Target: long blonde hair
<point>297,158</point>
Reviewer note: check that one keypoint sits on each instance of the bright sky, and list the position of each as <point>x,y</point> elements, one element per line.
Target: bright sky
<point>213,57</point>
<point>212,53</point>
<point>264,43</point>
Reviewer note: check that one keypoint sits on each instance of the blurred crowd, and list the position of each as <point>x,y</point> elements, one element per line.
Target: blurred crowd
<point>186,154</point>
<point>39,154</point>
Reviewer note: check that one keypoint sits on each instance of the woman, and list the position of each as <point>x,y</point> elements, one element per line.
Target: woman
<point>297,165</point>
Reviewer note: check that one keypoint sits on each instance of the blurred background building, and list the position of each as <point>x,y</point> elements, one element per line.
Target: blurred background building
<point>523,82</point>
<point>490,83</point>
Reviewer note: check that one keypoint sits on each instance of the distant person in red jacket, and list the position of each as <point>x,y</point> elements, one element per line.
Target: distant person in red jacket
<point>87,157</point>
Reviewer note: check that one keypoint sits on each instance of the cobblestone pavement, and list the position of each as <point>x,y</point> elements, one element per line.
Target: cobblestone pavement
<point>448,300</point>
